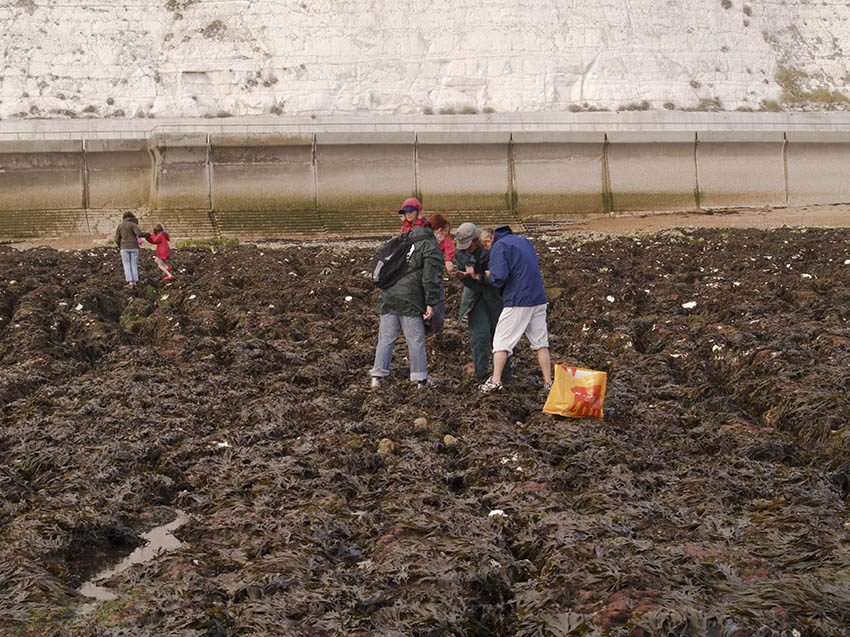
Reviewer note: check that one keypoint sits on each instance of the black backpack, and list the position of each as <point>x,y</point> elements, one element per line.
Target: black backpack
<point>390,261</point>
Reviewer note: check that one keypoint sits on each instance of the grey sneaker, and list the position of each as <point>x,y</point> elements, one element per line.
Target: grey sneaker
<point>376,382</point>
<point>425,384</point>
<point>490,386</point>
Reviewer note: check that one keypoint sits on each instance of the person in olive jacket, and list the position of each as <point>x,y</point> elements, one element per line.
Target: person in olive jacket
<point>405,306</point>
<point>480,301</point>
<point>128,237</point>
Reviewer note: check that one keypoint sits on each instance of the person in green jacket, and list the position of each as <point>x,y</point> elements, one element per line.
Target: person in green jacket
<point>480,301</point>
<point>406,305</point>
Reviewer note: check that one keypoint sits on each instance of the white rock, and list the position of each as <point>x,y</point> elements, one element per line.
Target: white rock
<point>535,56</point>
<point>497,513</point>
<point>689,305</point>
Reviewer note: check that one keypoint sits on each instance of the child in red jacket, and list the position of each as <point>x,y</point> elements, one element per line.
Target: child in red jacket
<point>160,238</point>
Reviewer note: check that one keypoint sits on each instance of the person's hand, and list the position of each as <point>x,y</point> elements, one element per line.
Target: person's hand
<point>459,274</point>
<point>429,312</point>
<point>487,273</point>
<point>450,267</point>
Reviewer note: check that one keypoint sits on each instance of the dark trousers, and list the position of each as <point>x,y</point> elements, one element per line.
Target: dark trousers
<point>482,326</point>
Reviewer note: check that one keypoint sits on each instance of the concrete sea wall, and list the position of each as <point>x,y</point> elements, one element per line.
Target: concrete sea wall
<point>254,179</point>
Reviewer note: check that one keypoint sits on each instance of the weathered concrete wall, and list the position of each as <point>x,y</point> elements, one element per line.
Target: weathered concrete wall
<point>36,175</point>
<point>181,172</point>
<point>464,171</point>
<point>202,179</point>
<point>364,171</point>
<point>262,172</point>
<point>651,171</point>
<point>118,173</point>
<point>558,174</point>
<point>818,167</point>
<point>741,169</point>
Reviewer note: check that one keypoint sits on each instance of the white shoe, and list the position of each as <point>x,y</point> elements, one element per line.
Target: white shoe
<point>489,386</point>
<point>376,382</point>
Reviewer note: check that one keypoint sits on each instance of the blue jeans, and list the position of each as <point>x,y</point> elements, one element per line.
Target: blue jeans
<point>414,334</point>
<point>130,261</point>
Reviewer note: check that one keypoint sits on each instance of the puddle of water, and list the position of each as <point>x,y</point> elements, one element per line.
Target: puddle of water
<point>157,539</point>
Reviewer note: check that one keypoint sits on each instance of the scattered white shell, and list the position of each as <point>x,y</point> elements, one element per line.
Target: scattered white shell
<point>689,305</point>
<point>846,262</point>
<point>348,299</point>
<point>806,276</point>
<point>79,307</point>
<point>163,297</point>
<point>224,444</point>
<point>192,297</point>
<point>716,348</point>
<point>610,298</point>
<point>496,513</point>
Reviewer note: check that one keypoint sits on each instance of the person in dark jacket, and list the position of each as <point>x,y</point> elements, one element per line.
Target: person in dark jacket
<point>405,306</point>
<point>480,302</point>
<point>515,270</point>
<point>127,237</point>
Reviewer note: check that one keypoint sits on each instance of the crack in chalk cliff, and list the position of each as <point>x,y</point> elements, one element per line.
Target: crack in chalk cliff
<point>585,71</point>
<point>629,24</point>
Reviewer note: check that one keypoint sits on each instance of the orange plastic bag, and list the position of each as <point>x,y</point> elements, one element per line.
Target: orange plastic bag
<point>576,393</point>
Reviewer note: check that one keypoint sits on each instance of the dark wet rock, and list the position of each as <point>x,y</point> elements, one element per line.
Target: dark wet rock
<point>711,500</point>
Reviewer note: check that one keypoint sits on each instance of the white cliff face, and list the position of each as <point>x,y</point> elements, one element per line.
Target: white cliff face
<point>199,58</point>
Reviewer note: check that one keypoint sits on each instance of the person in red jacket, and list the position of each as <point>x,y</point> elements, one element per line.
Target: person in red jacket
<point>412,211</point>
<point>159,237</point>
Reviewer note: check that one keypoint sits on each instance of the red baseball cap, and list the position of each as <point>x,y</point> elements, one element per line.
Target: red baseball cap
<point>409,205</point>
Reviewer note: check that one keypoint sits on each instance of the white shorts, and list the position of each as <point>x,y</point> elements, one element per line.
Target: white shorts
<point>514,322</point>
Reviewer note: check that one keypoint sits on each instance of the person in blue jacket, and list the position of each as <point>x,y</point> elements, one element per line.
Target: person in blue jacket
<point>515,270</point>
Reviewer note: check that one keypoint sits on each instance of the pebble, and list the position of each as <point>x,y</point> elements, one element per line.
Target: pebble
<point>449,440</point>
<point>385,447</point>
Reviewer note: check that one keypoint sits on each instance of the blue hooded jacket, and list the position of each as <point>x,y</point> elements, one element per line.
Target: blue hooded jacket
<point>515,269</point>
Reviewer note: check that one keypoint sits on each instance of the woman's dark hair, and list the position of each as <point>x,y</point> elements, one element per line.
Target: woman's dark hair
<point>128,215</point>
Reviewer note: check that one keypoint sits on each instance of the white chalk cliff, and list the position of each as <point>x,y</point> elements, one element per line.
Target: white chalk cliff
<point>206,58</point>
